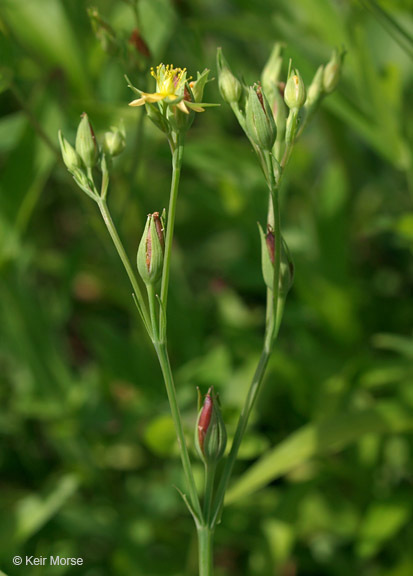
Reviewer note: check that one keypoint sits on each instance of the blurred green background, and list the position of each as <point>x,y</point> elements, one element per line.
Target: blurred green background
<point>88,455</point>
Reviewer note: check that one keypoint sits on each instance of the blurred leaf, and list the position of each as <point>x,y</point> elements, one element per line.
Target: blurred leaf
<point>34,511</point>
<point>399,33</point>
<point>11,128</point>
<point>382,521</point>
<point>315,440</point>
<point>121,456</point>
<point>160,436</point>
<point>253,445</point>
<point>158,23</point>
<point>404,227</point>
<point>395,343</point>
<point>280,536</point>
<point>50,36</point>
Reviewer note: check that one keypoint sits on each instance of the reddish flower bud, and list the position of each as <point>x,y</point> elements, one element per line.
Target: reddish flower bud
<point>210,432</point>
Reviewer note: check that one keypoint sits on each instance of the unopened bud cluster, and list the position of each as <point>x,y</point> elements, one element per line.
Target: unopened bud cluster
<point>265,110</point>
<point>273,113</point>
<point>88,154</point>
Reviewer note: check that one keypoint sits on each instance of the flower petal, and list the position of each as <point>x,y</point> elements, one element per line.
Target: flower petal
<point>182,107</point>
<point>155,97</point>
<point>138,102</point>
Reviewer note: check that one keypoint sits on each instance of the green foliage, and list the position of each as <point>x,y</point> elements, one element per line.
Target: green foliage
<point>88,457</point>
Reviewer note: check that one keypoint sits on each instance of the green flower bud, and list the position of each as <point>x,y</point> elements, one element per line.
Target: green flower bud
<point>114,142</point>
<point>229,86</point>
<point>295,92</point>
<point>267,260</point>
<point>260,124</point>
<point>198,86</point>
<point>315,90</point>
<point>151,250</point>
<point>270,76</point>
<point>210,432</point>
<point>332,71</point>
<point>70,157</point>
<point>86,145</point>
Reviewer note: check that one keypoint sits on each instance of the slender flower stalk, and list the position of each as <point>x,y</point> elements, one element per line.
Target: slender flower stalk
<point>177,149</point>
<point>162,353</point>
<point>107,218</point>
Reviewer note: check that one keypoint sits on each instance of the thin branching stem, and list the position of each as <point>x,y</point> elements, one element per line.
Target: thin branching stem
<point>104,210</point>
<point>177,148</point>
<point>165,365</point>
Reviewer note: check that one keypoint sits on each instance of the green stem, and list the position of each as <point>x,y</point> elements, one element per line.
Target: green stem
<point>209,490</point>
<point>291,134</point>
<point>243,421</point>
<point>163,358</point>
<point>275,307</point>
<point>177,155</point>
<point>152,310</point>
<point>273,220</point>
<point>205,551</point>
<point>104,210</point>
<point>242,424</point>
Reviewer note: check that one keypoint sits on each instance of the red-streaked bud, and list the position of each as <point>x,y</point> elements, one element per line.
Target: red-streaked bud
<point>151,250</point>
<point>260,124</point>
<point>210,432</point>
<point>267,261</point>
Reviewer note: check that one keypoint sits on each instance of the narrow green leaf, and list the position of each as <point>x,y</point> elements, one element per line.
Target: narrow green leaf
<point>320,439</point>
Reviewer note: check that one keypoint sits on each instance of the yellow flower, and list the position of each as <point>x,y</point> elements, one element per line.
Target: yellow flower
<point>170,88</point>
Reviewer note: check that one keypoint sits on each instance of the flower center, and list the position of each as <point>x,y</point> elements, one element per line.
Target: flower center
<point>168,79</point>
